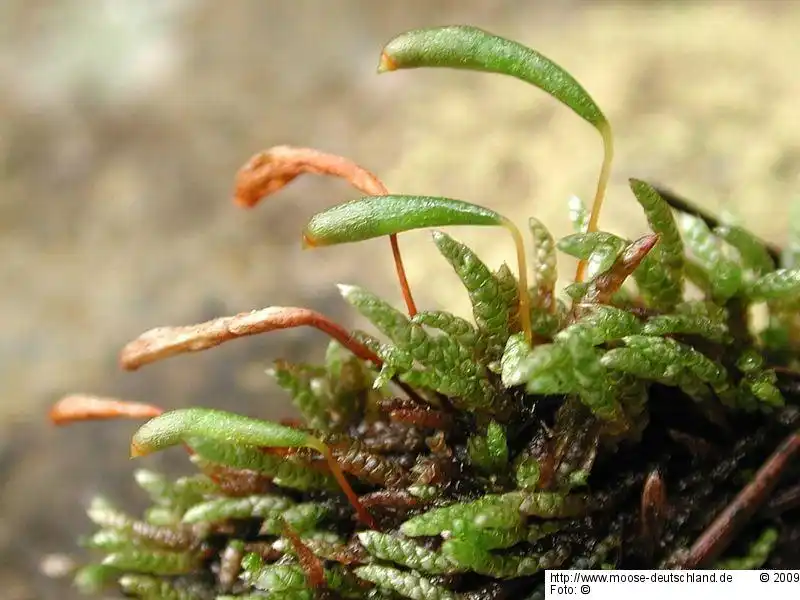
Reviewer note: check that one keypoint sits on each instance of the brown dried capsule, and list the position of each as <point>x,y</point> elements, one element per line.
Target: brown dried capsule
<point>163,342</point>
<point>267,172</point>
<point>85,407</point>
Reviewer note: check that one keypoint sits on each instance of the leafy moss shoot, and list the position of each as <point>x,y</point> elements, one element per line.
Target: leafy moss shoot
<point>631,420</point>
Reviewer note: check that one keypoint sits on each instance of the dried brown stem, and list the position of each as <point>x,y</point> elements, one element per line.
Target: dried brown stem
<point>718,536</point>
<point>361,512</point>
<point>84,407</point>
<point>309,562</point>
<point>163,342</point>
<point>267,172</point>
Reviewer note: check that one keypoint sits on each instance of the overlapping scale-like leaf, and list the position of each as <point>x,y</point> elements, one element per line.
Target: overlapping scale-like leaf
<point>660,276</point>
<point>449,367</point>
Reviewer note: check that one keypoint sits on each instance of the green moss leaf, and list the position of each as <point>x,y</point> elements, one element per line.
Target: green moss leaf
<point>489,452</point>
<point>405,552</point>
<point>543,264</point>
<point>490,307</point>
<point>405,583</point>
<point>724,274</point>
<point>752,251</point>
<point>492,511</point>
<point>660,276</point>
<point>450,367</point>
<point>477,559</point>
<point>221,509</point>
<point>782,285</point>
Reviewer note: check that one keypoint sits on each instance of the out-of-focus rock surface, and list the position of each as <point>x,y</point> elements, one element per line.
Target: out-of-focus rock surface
<point>122,123</point>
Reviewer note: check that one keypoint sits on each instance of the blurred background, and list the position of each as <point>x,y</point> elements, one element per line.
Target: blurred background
<point>122,124</point>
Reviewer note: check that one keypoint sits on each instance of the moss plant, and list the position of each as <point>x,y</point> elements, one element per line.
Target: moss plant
<point>633,420</point>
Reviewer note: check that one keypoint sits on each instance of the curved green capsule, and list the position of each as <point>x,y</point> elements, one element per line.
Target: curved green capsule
<point>464,47</point>
<point>599,248</point>
<point>376,216</point>
<point>174,427</point>
<point>471,48</point>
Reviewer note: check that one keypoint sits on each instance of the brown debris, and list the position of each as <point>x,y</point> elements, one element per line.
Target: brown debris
<point>653,509</point>
<point>785,501</point>
<point>718,536</point>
